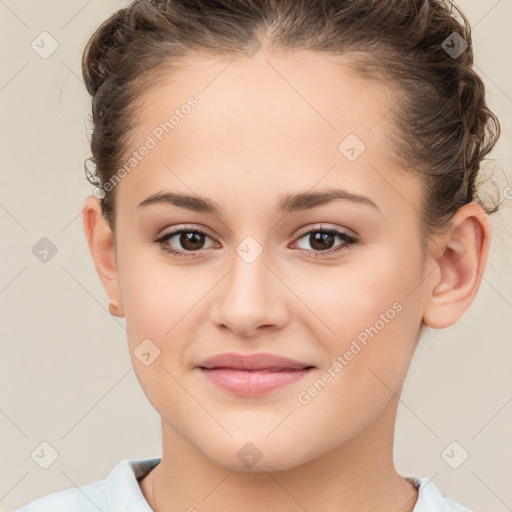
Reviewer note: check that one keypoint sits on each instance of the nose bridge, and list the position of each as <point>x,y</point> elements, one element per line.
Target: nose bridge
<point>249,298</point>
<point>249,274</point>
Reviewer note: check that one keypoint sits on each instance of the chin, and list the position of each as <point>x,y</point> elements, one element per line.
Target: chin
<point>260,456</point>
<point>262,466</point>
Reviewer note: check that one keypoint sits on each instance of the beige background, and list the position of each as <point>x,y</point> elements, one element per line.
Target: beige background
<point>65,373</point>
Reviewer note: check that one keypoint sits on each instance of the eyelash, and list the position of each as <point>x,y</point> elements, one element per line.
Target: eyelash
<point>349,241</point>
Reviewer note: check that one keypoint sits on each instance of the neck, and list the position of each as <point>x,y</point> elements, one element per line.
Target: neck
<point>359,475</point>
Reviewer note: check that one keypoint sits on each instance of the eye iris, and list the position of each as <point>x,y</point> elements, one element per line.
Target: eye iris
<point>188,237</point>
<point>321,238</point>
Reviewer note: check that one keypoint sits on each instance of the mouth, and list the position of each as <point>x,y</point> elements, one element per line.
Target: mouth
<point>270,369</point>
<point>253,375</point>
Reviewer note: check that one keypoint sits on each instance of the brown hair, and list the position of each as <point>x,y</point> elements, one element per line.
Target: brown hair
<point>443,126</point>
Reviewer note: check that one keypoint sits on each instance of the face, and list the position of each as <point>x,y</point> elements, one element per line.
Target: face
<point>332,282</point>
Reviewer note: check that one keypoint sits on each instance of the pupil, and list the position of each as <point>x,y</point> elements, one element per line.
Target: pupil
<point>321,238</point>
<point>191,238</point>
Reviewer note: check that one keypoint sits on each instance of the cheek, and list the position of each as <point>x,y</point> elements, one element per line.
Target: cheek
<point>159,306</point>
<point>157,295</point>
<point>163,303</point>
<point>369,293</point>
<point>368,358</point>
<point>370,316</point>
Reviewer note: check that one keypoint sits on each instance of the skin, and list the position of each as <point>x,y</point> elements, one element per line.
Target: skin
<point>251,140</point>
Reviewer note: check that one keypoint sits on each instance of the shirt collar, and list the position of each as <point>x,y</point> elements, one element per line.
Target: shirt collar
<point>124,493</point>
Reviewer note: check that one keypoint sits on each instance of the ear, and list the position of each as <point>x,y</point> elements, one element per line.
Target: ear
<point>460,262</point>
<point>102,246</point>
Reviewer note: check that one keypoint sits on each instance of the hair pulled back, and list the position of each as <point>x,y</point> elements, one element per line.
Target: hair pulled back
<point>444,128</point>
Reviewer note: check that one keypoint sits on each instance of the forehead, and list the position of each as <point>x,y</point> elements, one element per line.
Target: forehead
<point>277,120</point>
<point>301,91</point>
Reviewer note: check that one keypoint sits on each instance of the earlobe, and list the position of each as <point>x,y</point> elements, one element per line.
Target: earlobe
<point>100,240</point>
<point>460,264</point>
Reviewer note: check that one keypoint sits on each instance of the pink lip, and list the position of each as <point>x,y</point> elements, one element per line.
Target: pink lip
<point>254,374</point>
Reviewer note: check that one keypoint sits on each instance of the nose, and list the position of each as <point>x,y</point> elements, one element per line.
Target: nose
<point>251,298</point>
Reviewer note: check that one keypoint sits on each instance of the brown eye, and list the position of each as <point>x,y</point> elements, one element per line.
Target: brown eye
<point>184,242</point>
<point>322,241</point>
<point>191,240</point>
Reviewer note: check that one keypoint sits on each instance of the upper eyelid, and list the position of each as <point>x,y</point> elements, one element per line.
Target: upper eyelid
<point>323,227</point>
<point>179,229</point>
<point>176,231</point>
<point>300,233</point>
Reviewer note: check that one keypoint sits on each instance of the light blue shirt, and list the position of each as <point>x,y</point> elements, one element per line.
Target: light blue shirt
<point>120,492</point>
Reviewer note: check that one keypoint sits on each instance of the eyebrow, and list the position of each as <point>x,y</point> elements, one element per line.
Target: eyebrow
<point>289,203</point>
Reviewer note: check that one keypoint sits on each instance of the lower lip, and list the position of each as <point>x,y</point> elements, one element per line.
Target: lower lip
<point>252,382</point>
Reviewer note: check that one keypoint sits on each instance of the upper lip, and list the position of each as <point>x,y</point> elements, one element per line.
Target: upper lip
<point>257,361</point>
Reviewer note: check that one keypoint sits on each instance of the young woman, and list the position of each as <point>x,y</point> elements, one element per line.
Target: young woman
<point>285,200</point>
